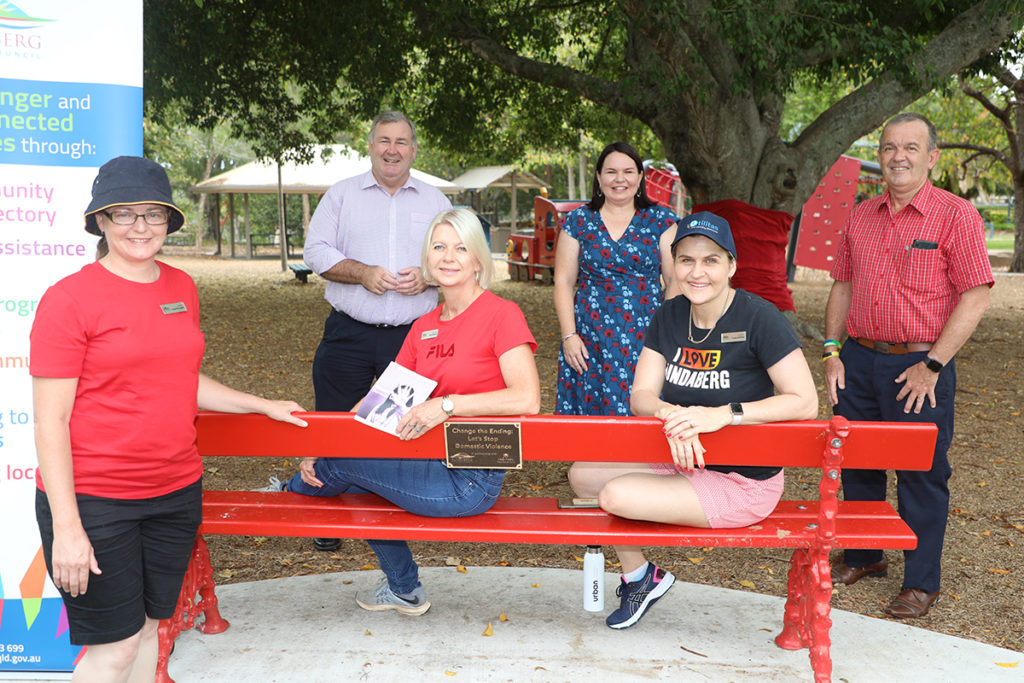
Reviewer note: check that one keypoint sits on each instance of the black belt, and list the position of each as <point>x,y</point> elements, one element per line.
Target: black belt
<point>379,326</point>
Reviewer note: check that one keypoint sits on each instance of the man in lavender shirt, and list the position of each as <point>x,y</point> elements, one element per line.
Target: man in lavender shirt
<point>365,239</point>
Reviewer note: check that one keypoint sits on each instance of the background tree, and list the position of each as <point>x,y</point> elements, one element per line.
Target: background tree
<point>708,78</point>
<point>1002,96</point>
<point>191,154</point>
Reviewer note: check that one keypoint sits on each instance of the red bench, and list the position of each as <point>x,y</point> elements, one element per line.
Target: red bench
<point>812,528</point>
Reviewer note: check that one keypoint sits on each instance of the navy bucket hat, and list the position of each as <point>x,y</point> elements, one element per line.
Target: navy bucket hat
<point>131,180</point>
<point>711,225</point>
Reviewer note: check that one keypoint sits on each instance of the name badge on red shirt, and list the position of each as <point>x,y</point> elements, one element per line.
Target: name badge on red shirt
<point>178,307</point>
<point>429,334</point>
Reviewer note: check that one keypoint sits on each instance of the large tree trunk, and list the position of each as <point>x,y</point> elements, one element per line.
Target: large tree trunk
<point>721,134</point>
<point>1017,171</point>
<point>1017,262</point>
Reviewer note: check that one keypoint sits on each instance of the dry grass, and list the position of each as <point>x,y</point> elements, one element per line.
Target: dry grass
<point>262,328</point>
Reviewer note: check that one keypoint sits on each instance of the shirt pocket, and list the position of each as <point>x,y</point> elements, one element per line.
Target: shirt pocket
<point>418,224</point>
<point>921,270</point>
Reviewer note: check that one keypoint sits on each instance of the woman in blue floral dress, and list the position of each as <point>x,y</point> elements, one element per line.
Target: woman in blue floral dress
<point>614,252</point>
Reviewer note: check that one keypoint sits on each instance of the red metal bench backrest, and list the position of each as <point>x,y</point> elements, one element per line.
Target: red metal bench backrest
<point>870,445</point>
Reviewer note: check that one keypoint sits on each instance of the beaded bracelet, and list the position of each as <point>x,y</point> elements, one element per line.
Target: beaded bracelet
<point>830,354</point>
<point>833,342</point>
<point>571,334</point>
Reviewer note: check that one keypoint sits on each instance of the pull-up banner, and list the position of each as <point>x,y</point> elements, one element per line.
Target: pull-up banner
<point>70,100</point>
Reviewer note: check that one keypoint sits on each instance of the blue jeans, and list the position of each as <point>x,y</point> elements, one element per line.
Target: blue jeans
<point>922,497</point>
<point>423,487</point>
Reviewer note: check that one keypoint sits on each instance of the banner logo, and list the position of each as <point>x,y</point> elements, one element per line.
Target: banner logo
<point>12,16</point>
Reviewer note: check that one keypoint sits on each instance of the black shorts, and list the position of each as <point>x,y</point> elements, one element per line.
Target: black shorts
<point>142,547</point>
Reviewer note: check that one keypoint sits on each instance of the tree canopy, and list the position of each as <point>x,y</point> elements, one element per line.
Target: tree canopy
<point>490,78</point>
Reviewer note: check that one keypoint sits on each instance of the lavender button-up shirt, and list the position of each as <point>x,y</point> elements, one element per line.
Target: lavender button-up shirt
<point>358,219</point>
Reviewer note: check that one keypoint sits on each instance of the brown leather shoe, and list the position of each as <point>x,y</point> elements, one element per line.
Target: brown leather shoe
<point>911,603</point>
<point>843,573</point>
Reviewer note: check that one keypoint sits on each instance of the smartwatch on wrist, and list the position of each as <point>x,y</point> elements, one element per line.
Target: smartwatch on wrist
<point>737,412</point>
<point>933,365</point>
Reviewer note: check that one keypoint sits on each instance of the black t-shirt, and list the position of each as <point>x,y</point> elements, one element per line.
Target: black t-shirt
<point>731,365</point>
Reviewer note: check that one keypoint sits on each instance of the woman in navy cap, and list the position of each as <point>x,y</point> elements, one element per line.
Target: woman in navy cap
<point>116,351</point>
<point>715,356</point>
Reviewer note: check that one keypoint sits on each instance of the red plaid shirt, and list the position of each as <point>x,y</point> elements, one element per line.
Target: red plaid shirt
<point>909,270</point>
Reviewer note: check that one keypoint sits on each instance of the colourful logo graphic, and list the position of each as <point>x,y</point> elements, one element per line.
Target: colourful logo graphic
<point>699,360</point>
<point>11,16</point>
<point>34,628</point>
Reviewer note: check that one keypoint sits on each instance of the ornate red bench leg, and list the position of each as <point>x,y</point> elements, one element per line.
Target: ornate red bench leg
<point>807,620</point>
<point>198,579</point>
<point>794,635</point>
<point>821,621</point>
<point>212,621</point>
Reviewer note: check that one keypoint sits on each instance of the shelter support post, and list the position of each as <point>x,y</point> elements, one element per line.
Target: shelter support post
<point>248,225</point>
<point>231,219</point>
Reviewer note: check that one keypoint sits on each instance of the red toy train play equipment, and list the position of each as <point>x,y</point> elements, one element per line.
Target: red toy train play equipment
<point>531,252</point>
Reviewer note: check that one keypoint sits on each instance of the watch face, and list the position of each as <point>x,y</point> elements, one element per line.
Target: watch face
<point>933,365</point>
<point>736,408</point>
<point>447,405</point>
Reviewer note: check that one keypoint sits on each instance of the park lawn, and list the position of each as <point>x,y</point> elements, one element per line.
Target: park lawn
<point>1003,241</point>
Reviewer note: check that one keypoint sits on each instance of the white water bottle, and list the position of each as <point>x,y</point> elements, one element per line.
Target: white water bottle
<point>593,579</point>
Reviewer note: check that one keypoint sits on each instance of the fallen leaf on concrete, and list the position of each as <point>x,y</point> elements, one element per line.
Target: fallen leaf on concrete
<point>502,618</point>
<point>462,569</point>
<point>489,631</point>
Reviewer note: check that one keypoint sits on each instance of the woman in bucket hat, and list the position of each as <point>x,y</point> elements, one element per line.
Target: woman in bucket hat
<point>116,351</point>
<point>715,356</point>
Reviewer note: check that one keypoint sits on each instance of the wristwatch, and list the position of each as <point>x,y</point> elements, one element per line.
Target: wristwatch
<point>933,365</point>
<point>737,412</point>
<point>448,406</point>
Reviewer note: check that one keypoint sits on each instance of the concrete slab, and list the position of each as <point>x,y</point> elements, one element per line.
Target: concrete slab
<point>310,629</point>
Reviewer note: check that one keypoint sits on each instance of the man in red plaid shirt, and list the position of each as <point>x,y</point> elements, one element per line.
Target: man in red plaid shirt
<point>911,281</point>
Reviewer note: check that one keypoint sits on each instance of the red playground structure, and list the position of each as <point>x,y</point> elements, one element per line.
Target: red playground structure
<point>531,252</point>
<point>761,235</point>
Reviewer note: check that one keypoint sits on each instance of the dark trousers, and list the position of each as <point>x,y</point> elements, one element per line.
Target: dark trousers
<point>923,497</point>
<point>350,356</point>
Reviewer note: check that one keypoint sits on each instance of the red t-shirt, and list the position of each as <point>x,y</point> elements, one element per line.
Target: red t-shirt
<point>136,350</point>
<point>462,354</point>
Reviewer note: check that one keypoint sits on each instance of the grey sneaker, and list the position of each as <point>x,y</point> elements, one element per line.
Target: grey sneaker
<point>637,597</point>
<point>383,598</point>
<point>275,485</point>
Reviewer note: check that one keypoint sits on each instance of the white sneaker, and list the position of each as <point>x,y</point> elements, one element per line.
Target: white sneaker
<point>275,485</point>
<point>383,598</point>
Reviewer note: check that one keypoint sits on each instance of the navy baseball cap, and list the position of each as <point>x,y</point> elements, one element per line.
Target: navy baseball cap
<point>712,226</point>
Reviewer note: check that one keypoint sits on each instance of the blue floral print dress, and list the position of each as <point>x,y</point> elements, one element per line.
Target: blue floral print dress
<point>618,290</point>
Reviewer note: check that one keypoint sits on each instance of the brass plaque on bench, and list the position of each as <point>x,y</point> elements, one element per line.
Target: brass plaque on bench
<point>483,445</point>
